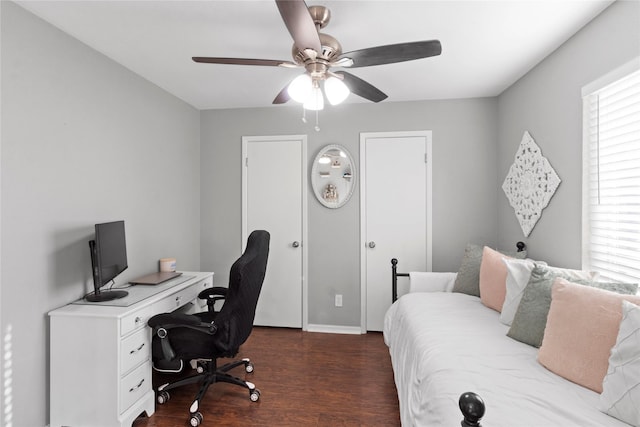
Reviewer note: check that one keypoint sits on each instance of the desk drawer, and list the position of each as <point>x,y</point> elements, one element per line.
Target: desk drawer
<point>134,350</point>
<point>191,293</point>
<point>134,386</point>
<point>140,318</point>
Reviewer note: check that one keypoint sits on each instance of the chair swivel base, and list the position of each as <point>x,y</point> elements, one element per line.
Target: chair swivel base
<point>209,374</point>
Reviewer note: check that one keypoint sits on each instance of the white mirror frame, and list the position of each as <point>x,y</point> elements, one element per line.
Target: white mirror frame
<point>333,176</point>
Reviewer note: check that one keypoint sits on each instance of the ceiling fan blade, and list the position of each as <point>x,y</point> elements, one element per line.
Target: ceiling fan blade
<point>283,96</point>
<point>299,22</point>
<point>361,88</point>
<point>393,53</point>
<point>243,61</point>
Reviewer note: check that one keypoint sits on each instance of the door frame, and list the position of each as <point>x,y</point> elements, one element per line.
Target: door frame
<point>303,244</point>
<point>364,136</point>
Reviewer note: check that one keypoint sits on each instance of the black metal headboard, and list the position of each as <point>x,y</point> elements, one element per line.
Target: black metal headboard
<point>521,246</point>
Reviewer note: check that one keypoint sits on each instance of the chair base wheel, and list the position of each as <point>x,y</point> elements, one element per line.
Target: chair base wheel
<point>196,419</point>
<point>163,397</point>
<point>254,395</point>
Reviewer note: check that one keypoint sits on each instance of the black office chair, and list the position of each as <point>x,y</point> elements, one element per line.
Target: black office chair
<point>205,337</point>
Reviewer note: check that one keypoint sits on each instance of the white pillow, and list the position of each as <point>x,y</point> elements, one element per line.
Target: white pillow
<point>518,275</point>
<point>428,281</point>
<point>621,386</point>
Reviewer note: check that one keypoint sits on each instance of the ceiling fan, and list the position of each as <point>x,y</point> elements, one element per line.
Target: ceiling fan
<point>319,53</point>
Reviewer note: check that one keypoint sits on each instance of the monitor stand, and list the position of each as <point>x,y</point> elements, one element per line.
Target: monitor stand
<point>106,296</point>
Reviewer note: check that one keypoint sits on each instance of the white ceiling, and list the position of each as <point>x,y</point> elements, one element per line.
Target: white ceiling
<point>486,45</point>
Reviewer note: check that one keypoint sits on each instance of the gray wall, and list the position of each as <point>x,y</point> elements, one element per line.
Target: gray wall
<point>464,187</point>
<point>547,102</point>
<point>83,141</point>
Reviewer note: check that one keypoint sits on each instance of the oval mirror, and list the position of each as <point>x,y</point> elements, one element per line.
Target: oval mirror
<point>333,176</point>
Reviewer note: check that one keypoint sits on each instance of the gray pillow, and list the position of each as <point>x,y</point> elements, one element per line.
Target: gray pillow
<point>619,288</point>
<point>468,278</point>
<point>531,316</point>
<point>530,319</point>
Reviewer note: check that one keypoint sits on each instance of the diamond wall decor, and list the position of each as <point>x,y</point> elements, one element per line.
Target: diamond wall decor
<point>530,183</point>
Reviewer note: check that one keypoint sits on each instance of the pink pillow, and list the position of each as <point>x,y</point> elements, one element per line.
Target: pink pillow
<point>582,327</point>
<point>493,279</point>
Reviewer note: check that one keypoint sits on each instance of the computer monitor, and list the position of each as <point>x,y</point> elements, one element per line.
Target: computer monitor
<point>108,259</point>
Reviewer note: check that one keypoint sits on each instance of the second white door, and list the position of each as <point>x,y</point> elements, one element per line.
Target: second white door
<point>274,199</point>
<point>395,214</point>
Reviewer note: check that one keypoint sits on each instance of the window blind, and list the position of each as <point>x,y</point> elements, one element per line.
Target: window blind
<point>612,177</point>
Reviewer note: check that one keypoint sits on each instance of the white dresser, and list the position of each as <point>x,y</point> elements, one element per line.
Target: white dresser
<point>100,357</point>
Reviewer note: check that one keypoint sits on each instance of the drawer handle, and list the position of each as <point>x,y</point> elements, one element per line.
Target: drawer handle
<point>132,389</point>
<point>137,349</point>
<point>138,320</point>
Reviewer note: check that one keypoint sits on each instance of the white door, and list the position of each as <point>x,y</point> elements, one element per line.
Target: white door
<point>274,188</point>
<point>395,193</point>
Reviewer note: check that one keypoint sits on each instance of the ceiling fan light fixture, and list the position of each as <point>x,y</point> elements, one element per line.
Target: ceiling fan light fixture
<point>315,101</point>
<point>336,90</point>
<point>300,88</point>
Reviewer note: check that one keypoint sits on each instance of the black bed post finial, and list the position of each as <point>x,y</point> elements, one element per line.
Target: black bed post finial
<point>472,407</point>
<point>394,279</point>
<point>521,246</point>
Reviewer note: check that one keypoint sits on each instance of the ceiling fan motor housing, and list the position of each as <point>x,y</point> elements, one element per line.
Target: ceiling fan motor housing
<point>318,62</point>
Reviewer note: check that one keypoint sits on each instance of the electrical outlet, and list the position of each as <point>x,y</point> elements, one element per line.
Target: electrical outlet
<point>338,300</point>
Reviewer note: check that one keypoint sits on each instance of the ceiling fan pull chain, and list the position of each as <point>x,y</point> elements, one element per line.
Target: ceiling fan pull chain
<point>317,128</point>
<point>304,115</point>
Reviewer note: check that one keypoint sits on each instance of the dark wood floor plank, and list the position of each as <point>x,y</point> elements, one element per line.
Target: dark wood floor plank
<point>305,379</point>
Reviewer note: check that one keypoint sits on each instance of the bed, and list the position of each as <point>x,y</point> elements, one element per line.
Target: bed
<point>444,344</point>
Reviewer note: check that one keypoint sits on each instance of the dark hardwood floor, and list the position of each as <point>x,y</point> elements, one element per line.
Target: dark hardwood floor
<point>305,379</point>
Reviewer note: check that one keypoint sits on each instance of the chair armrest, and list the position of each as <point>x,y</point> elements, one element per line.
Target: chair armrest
<point>219,291</point>
<point>169,321</point>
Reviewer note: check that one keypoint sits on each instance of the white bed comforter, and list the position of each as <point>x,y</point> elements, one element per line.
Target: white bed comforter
<point>444,344</point>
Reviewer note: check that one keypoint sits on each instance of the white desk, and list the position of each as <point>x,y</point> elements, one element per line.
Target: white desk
<point>101,354</point>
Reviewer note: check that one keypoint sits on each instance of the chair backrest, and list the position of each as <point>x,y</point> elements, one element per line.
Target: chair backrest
<point>235,319</point>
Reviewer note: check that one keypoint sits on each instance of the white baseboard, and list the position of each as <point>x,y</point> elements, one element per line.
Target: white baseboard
<point>334,329</point>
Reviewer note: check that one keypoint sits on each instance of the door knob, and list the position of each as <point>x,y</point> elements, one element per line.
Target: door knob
<point>295,244</point>
<point>372,245</point>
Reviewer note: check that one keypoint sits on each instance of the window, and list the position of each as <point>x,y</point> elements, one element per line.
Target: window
<point>611,175</point>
